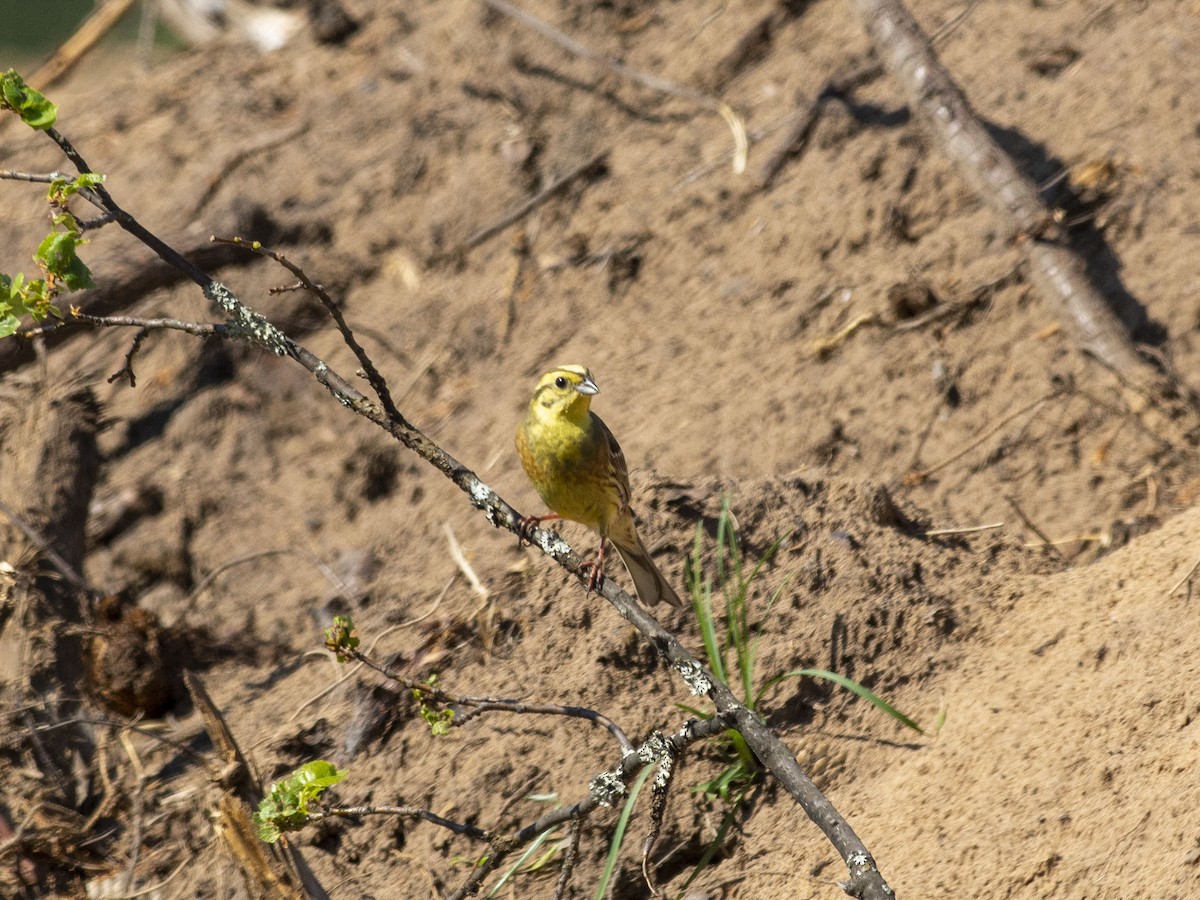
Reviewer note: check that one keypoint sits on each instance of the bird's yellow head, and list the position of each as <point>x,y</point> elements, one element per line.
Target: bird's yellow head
<point>564,392</point>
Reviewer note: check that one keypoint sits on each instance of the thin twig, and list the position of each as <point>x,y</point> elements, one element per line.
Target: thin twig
<point>923,474</point>
<point>208,579</point>
<point>974,529</point>
<point>654,82</point>
<point>1028,522</point>
<point>1187,576</point>
<point>797,138</point>
<point>42,545</point>
<point>527,206</point>
<point>570,855</point>
<point>328,689</point>
<point>572,46</point>
<point>406,812</point>
<point>464,566</point>
<point>374,376</point>
<point>480,705</point>
<point>138,798</point>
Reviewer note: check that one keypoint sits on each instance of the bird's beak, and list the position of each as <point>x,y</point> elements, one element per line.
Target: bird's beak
<point>587,386</point>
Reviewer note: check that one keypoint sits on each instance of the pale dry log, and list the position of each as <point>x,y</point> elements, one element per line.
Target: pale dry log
<point>1055,269</point>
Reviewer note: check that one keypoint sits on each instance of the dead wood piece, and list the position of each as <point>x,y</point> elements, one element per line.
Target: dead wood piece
<point>94,27</point>
<point>1055,269</point>
<point>269,871</point>
<point>49,462</point>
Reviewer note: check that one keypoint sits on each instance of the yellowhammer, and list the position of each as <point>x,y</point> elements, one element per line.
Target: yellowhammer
<point>579,470</point>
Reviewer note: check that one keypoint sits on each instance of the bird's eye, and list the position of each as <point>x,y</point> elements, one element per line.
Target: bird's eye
<point>560,382</point>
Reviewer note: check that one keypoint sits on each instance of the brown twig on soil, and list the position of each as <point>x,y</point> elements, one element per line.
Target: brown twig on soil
<point>480,705</point>
<point>529,205</point>
<point>973,529</point>
<point>655,83</point>
<point>1185,579</point>
<point>572,46</point>
<point>797,138</point>
<point>923,474</point>
<point>45,548</point>
<point>1056,270</point>
<point>864,879</point>
<point>1028,522</point>
<point>464,565</point>
<point>190,602</point>
<point>570,856</point>
<point>403,812</point>
<point>266,141</point>
<point>270,870</point>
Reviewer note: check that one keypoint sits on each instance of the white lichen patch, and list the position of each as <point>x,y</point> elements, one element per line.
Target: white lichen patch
<point>245,324</point>
<point>694,677</point>
<point>481,495</point>
<point>655,747</point>
<point>662,777</point>
<point>607,788</point>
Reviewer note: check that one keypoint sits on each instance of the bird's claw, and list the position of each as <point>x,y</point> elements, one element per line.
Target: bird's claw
<point>596,578</point>
<point>528,524</point>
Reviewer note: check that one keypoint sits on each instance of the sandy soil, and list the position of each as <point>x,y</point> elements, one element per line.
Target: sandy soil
<point>1065,678</point>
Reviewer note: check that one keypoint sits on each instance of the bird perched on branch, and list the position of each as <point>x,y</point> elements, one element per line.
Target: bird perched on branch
<point>579,470</point>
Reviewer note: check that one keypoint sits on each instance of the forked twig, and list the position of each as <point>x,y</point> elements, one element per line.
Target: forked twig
<point>864,879</point>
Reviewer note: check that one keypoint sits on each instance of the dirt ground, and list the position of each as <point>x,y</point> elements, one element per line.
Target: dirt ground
<point>1064,677</point>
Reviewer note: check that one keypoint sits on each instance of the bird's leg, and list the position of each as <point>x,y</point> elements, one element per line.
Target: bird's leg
<point>526,525</point>
<point>597,577</point>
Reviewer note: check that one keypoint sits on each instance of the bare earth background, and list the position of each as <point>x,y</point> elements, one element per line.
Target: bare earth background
<point>1069,680</point>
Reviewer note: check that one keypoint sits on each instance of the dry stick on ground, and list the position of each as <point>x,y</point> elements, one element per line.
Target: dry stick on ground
<point>655,83</point>
<point>94,27</point>
<point>1056,270</point>
<point>864,879</point>
<point>525,207</point>
<point>269,870</point>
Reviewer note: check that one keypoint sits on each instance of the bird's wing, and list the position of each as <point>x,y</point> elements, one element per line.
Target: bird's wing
<point>616,459</point>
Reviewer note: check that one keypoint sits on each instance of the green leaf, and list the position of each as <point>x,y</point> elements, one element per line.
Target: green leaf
<point>8,325</point>
<point>33,108</point>
<point>63,189</point>
<point>57,253</point>
<point>285,808</point>
<point>618,836</point>
<point>851,685</point>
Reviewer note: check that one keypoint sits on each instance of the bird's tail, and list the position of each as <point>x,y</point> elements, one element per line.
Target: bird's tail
<point>649,583</point>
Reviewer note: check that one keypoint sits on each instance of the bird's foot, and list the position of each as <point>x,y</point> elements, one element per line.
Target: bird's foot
<point>526,526</point>
<point>596,578</point>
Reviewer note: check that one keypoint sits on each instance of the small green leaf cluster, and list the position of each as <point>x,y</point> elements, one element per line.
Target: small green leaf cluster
<point>58,253</point>
<point>340,638</point>
<point>285,808</point>
<point>440,721</point>
<point>58,258</point>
